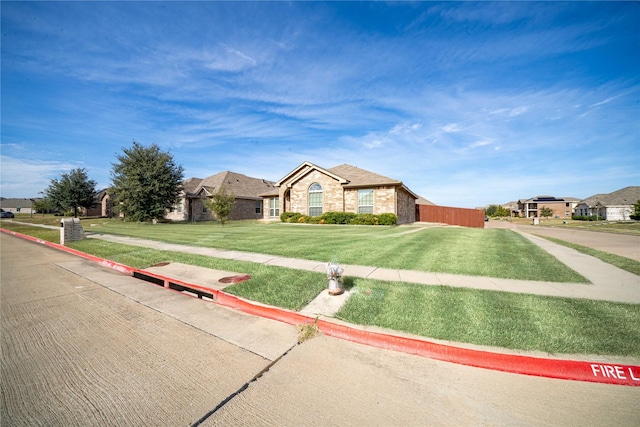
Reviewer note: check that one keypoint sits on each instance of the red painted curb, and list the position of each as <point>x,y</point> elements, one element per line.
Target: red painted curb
<point>574,370</point>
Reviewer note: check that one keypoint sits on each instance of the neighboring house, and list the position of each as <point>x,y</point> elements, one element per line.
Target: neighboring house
<point>18,205</point>
<point>561,207</point>
<point>312,190</point>
<point>616,206</point>
<point>103,206</point>
<point>196,192</point>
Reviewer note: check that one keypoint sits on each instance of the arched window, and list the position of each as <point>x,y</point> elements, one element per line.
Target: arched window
<point>315,199</point>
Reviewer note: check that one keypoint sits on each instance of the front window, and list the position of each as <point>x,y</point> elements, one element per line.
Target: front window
<point>274,206</point>
<point>365,201</point>
<point>258,206</point>
<point>315,199</point>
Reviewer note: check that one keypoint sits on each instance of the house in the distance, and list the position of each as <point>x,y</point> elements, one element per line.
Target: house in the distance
<point>17,205</point>
<point>616,206</point>
<point>562,207</point>
<point>312,190</point>
<point>248,203</point>
<point>103,206</point>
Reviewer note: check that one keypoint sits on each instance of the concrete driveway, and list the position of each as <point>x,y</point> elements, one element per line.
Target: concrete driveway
<point>83,345</point>
<point>619,244</point>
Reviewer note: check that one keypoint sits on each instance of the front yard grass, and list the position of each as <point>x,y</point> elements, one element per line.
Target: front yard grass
<point>477,252</point>
<point>509,320</point>
<point>492,318</point>
<point>515,321</point>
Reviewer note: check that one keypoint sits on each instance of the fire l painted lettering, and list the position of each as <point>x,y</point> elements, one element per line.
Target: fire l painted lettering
<point>612,371</point>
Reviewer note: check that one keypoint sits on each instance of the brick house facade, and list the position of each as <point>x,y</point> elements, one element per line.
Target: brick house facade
<point>312,190</point>
<point>248,204</point>
<point>561,207</point>
<point>616,206</point>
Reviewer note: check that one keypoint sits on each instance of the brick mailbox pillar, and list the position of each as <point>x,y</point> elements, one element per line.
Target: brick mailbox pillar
<point>70,230</point>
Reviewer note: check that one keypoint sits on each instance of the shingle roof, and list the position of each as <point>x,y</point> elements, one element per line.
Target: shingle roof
<point>422,201</point>
<point>360,177</point>
<point>240,185</point>
<point>624,196</point>
<point>14,203</point>
<point>190,186</point>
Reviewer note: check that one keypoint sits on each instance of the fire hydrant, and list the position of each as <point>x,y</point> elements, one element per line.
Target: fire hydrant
<point>334,274</point>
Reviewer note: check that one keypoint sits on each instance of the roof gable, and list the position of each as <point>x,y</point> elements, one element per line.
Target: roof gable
<point>349,176</point>
<point>357,177</point>
<point>15,202</point>
<point>302,170</point>
<point>189,186</point>
<point>240,185</point>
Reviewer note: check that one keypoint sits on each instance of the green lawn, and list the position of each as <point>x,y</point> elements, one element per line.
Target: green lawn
<point>527,322</point>
<point>478,252</point>
<point>503,319</point>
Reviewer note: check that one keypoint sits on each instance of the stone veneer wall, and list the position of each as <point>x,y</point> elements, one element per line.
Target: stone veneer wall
<point>332,194</point>
<point>383,199</point>
<point>339,199</point>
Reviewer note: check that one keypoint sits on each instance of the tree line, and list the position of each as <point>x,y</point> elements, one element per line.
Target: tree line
<point>146,183</point>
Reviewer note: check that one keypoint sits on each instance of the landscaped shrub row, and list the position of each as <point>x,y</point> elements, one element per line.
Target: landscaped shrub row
<point>341,218</point>
<point>587,218</point>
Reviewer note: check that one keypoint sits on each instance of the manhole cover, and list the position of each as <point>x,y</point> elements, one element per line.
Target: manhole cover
<point>235,279</point>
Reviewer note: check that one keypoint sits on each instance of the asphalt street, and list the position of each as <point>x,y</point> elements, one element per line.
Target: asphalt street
<point>84,345</point>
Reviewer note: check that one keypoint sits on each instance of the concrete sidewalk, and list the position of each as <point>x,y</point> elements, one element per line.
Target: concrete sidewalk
<point>608,283</point>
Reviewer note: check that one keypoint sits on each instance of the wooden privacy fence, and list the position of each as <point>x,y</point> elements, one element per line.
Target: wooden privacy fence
<point>452,216</point>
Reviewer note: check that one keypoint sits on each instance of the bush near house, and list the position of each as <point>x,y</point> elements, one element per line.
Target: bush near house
<point>586,218</point>
<point>340,218</point>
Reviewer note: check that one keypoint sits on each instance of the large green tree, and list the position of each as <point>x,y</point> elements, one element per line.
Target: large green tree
<point>73,190</point>
<point>146,182</point>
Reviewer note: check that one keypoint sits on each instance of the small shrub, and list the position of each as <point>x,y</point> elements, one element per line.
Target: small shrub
<point>587,218</point>
<point>314,219</point>
<point>364,219</point>
<point>340,218</point>
<point>337,217</point>
<point>290,216</point>
<point>388,219</point>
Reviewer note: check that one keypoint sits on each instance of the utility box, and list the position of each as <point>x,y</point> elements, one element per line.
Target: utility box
<point>70,230</point>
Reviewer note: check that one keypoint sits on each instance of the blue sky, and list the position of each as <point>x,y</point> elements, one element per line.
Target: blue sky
<point>467,103</point>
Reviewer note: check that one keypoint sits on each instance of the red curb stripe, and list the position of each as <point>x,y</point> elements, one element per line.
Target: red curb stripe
<point>574,370</point>
<point>104,262</point>
<point>551,368</point>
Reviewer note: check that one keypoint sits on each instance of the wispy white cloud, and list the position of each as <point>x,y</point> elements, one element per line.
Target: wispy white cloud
<point>23,178</point>
<point>440,95</point>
